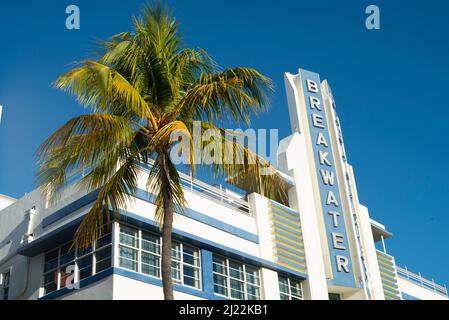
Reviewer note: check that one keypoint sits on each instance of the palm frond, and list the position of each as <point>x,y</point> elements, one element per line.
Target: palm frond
<point>79,144</point>
<point>100,87</point>
<point>239,164</point>
<point>116,194</point>
<point>233,94</point>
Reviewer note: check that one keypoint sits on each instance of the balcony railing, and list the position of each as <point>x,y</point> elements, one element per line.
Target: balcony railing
<point>217,194</point>
<point>418,279</point>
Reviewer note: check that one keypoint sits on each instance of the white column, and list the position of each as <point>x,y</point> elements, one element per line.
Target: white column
<point>260,210</point>
<point>115,241</point>
<point>375,282</point>
<point>270,284</point>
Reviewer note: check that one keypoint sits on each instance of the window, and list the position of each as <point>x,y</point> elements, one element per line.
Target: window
<point>235,280</point>
<point>129,248</point>
<point>6,278</point>
<point>334,296</point>
<point>186,262</point>
<point>290,289</point>
<point>140,251</point>
<point>151,255</point>
<point>61,263</point>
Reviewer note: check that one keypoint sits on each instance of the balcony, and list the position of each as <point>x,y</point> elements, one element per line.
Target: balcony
<point>218,194</point>
<point>419,280</point>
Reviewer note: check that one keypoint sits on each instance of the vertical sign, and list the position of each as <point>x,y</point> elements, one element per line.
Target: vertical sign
<point>327,180</point>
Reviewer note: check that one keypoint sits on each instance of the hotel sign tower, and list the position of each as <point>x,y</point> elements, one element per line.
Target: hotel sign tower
<point>323,193</point>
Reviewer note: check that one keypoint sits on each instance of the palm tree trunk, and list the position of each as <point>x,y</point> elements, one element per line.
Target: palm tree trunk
<point>167,227</point>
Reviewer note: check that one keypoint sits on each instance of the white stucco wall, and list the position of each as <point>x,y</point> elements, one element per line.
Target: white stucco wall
<point>417,291</point>
<point>5,201</point>
<point>129,289</point>
<point>101,290</point>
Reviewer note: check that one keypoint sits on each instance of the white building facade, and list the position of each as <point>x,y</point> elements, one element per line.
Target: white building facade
<point>227,245</point>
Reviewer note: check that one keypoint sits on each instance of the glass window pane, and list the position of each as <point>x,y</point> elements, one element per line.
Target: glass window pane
<point>219,265</point>
<point>50,282</point>
<point>103,258</point>
<point>252,275</point>
<point>296,291</point>
<point>191,276</point>
<point>220,285</point>
<point>176,271</point>
<point>284,297</point>
<point>104,240</point>
<point>176,251</point>
<point>252,292</point>
<point>103,254</point>
<point>237,289</point>
<point>190,255</point>
<point>151,243</point>
<point>294,283</point>
<point>103,265</point>
<point>83,251</point>
<point>128,258</point>
<point>51,260</point>
<point>283,285</point>
<point>236,270</point>
<point>191,282</point>
<point>129,237</point>
<point>85,267</point>
<point>190,271</point>
<point>67,254</point>
<point>150,264</point>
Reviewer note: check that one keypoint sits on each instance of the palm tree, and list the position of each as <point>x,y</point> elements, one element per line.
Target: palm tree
<point>141,88</point>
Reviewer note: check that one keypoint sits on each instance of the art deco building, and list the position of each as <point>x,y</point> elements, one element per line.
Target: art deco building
<point>228,244</point>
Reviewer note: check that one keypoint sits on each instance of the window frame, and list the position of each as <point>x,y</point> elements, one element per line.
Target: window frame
<point>181,261</point>
<point>245,282</point>
<point>60,267</point>
<point>289,294</point>
<point>124,245</point>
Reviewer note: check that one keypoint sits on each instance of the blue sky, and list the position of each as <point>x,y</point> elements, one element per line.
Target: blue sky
<point>390,87</point>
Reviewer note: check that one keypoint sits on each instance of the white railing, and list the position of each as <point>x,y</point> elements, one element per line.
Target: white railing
<point>418,279</point>
<point>217,194</point>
